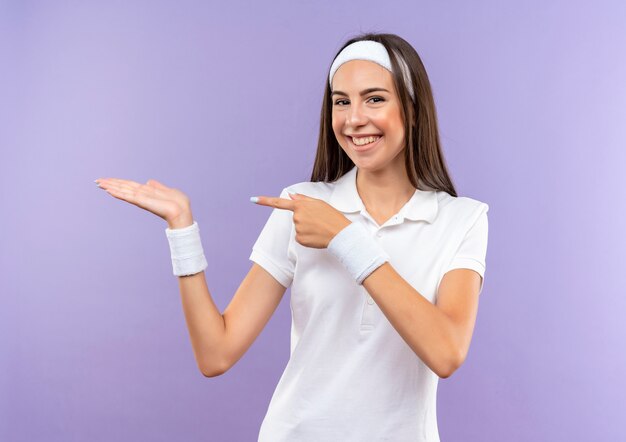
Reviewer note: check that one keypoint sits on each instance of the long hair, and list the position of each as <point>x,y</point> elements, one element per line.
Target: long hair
<point>424,161</point>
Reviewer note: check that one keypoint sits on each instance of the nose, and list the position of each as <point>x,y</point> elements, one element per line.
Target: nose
<point>356,116</point>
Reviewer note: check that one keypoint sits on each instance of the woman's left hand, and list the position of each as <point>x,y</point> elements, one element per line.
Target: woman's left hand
<point>316,221</point>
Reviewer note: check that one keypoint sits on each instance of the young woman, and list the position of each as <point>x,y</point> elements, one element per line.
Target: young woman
<point>384,260</point>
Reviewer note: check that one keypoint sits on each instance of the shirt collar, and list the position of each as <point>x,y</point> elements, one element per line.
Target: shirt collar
<point>423,205</point>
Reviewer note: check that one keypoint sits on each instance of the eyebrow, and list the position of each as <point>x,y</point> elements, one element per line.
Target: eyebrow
<point>363,92</point>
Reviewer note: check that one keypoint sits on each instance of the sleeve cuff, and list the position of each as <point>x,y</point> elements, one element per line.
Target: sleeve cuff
<point>268,264</point>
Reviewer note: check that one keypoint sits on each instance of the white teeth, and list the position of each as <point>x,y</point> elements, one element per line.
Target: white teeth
<point>365,140</point>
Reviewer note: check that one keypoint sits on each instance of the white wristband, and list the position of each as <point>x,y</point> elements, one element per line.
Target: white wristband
<point>358,251</point>
<point>186,250</point>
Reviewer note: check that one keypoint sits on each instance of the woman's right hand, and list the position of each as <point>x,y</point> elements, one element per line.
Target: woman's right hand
<point>166,202</point>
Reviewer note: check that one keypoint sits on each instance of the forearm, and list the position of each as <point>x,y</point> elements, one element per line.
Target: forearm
<point>422,325</point>
<point>204,322</point>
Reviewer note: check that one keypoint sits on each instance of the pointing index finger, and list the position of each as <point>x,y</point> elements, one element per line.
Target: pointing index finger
<point>270,201</point>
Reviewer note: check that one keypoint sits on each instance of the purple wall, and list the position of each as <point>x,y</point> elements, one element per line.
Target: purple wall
<point>93,343</point>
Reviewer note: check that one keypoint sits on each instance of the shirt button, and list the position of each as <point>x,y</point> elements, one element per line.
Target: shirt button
<point>378,234</point>
<point>370,301</point>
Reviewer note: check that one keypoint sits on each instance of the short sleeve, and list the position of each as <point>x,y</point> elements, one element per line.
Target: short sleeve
<point>271,249</point>
<point>472,252</point>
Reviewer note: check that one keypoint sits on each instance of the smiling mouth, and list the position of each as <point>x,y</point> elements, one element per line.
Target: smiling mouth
<point>371,142</point>
<point>361,141</point>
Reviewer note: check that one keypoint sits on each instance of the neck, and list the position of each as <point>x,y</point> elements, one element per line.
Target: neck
<point>384,191</point>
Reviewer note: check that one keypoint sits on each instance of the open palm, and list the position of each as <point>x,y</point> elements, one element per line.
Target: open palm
<point>166,202</point>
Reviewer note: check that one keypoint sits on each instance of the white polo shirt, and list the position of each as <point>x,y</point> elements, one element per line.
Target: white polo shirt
<point>350,375</point>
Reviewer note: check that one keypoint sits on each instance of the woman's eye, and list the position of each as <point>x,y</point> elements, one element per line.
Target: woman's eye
<point>339,102</point>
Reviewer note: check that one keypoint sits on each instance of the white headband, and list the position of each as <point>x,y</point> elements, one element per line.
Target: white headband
<point>372,51</point>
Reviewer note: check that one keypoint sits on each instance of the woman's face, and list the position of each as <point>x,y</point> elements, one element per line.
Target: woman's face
<point>375,113</point>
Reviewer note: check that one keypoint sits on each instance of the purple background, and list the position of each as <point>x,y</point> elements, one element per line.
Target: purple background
<point>222,100</point>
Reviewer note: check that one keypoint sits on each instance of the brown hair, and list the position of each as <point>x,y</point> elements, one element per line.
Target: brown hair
<point>424,159</point>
